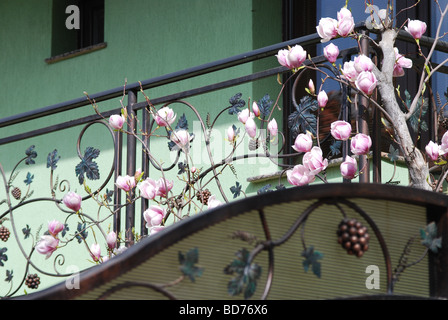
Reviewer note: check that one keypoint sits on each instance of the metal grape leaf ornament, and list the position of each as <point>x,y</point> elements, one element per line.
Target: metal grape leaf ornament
<point>236,103</point>
<point>265,104</point>
<point>311,259</point>
<point>188,264</point>
<point>303,119</point>
<point>87,166</point>
<point>429,237</point>
<point>30,155</point>
<point>246,275</point>
<point>53,159</point>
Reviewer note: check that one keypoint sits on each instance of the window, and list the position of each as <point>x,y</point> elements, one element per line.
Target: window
<point>74,31</point>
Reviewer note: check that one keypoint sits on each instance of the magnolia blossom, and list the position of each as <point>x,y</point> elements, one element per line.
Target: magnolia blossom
<point>165,117</point>
<point>341,130</point>
<point>327,29</point>
<point>360,144</point>
<point>163,187</point>
<point>366,82</point>
<point>156,229</point>
<point>111,240</point>
<point>416,28</point>
<point>273,127</point>
<point>331,52</point>
<point>363,63</point>
<point>349,71</point>
<point>244,115</point>
<point>47,245</point>
<point>125,183</point>
<point>313,161</point>
<point>346,23</point>
<point>212,202</point>
<point>154,216</point>
<point>311,86</point>
<point>116,121</point>
<point>181,138</point>
<point>322,99</point>
<point>432,150</point>
<point>54,227</point>
<point>296,56</point>
<point>443,148</point>
<point>148,189</point>
<point>400,63</point>
<point>231,134</point>
<point>348,168</point>
<point>299,176</point>
<point>95,251</point>
<point>72,201</point>
<point>251,127</point>
<point>303,142</point>
<point>255,109</point>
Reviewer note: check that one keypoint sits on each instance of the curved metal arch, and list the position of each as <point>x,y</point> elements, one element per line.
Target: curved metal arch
<point>149,247</point>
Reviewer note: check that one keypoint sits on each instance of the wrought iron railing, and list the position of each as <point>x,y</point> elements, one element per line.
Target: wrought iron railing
<point>112,199</point>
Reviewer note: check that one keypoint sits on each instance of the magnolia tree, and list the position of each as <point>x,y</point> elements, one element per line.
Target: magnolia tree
<point>364,77</point>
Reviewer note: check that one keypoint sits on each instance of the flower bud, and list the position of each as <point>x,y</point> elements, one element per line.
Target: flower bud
<point>341,130</point>
<point>116,121</point>
<point>72,201</point>
<point>360,144</point>
<point>349,167</point>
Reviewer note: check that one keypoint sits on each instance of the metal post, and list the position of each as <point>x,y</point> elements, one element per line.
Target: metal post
<point>146,120</point>
<point>117,191</point>
<point>130,166</point>
<point>362,115</point>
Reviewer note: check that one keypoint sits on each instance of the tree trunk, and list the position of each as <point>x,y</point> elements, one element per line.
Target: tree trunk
<point>417,165</point>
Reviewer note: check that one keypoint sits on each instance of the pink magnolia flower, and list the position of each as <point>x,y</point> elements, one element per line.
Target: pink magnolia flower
<point>281,57</point>
<point>322,99</point>
<point>231,134</point>
<point>72,201</point>
<point>181,138</point>
<point>296,56</point>
<point>349,167</point>
<point>331,52</point>
<point>349,71</point>
<point>400,63</point>
<point>255,109</point>
<point>303,142</point>
<point>156,229</point>
<point>360,144</point>
<point>311,86</point>
<point>165,117</point>
<point>299,176</point>
<point>116,121</point>
<point>95,251</point>
<point>47,245</point>
<point>244,115</point>
<point>54,227</point>
<point>273,127</point>
<point>327,29</point>
<point>163,187</point>
<point>212,202</point>
<point>154,216</point>
<point>148,189</point>
<point>345,23</point>
<point>432,150</point>
<point>363,63</point>
<point>125,183</point>
<point>416,28</point>
<point>111,240</point>
<point>366,82</point>
<point>251,127</point>
<point>341,130</point>
<point>443,149</point>
<point>313,161</point>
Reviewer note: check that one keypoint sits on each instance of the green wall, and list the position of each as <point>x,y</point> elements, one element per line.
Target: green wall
<point>144,39</point>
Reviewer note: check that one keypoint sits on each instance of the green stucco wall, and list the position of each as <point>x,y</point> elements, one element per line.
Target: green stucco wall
<point>145,39</point>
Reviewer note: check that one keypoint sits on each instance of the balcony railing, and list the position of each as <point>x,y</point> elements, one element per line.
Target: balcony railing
<point>126,147</point>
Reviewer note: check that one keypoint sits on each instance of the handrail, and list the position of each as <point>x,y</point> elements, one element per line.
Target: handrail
<point>194,72</point>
